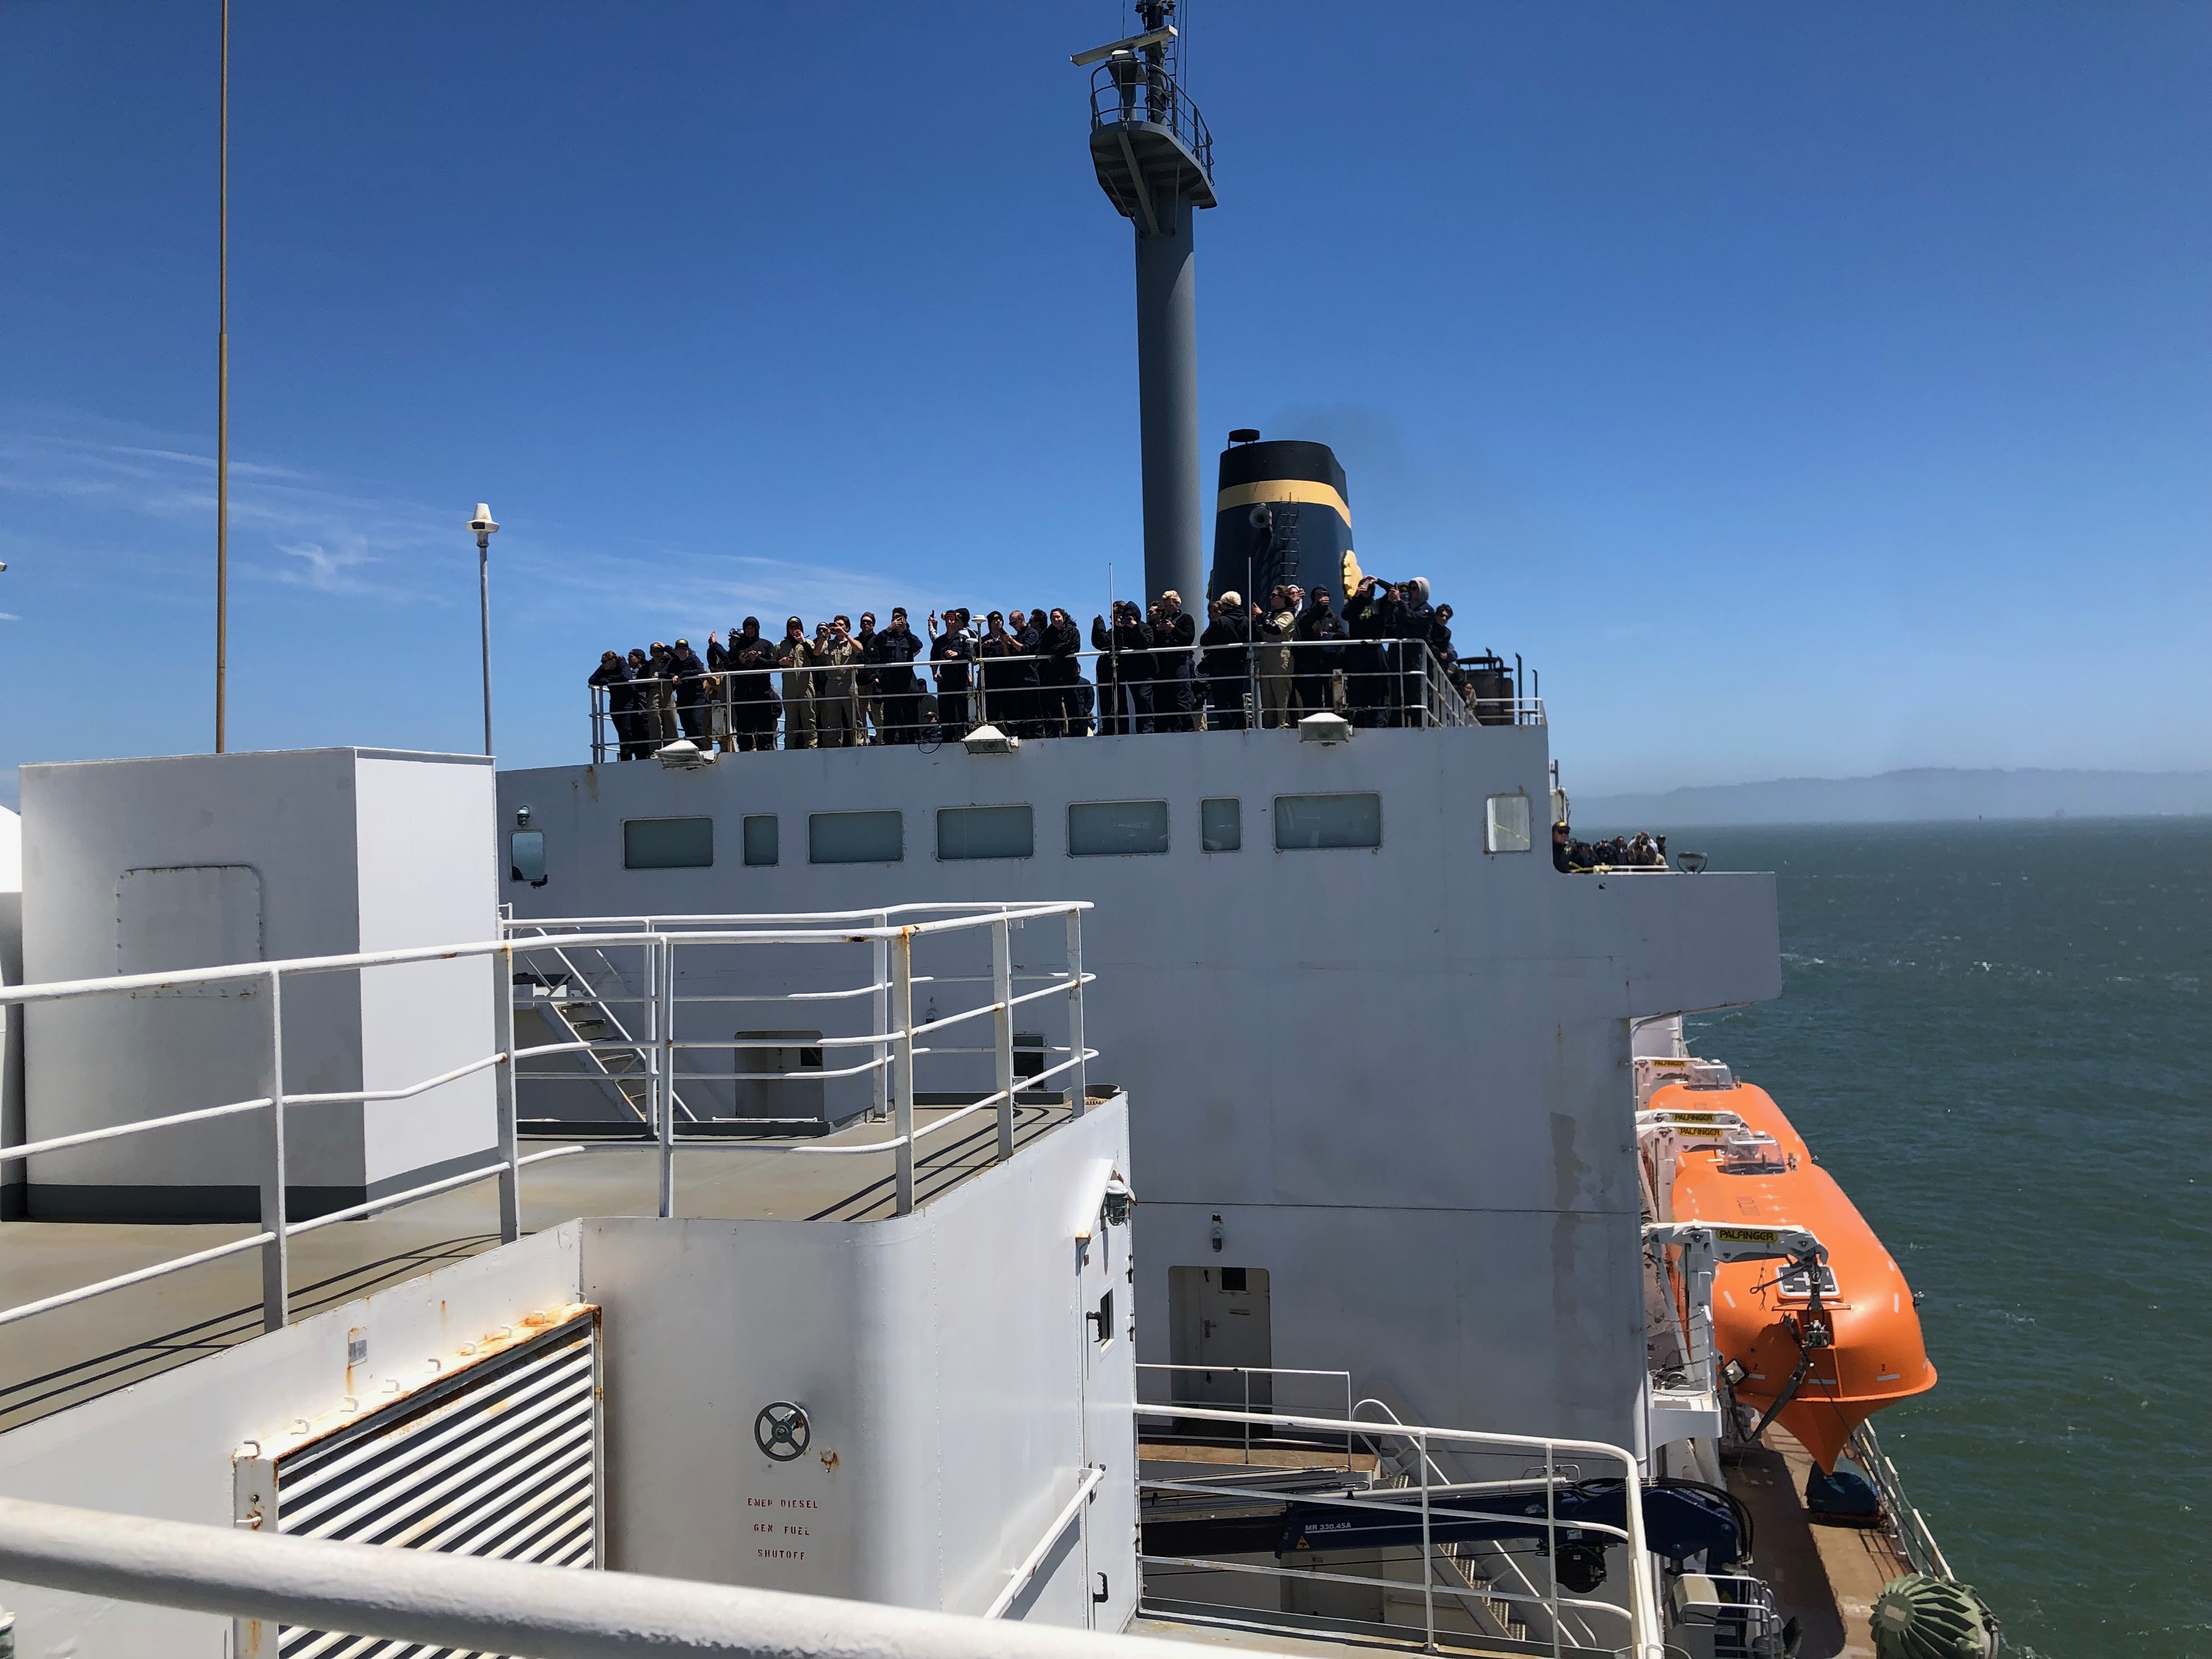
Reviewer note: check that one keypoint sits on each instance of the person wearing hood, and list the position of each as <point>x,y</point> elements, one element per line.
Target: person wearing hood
<point>1226,660</point>
<point>613,676</point>
<point>659,699</point>
<point>1413,623</point>
<point>693,683</point>
<point>1318,635</point>
<point>747,690</point>
<point>1125,671</point>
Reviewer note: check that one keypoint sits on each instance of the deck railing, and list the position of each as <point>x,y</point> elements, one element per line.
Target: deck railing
<point>1269,683</point>
<point>888,1047</point>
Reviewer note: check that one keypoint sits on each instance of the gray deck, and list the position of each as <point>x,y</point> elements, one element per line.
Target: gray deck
<point>58,1359</point>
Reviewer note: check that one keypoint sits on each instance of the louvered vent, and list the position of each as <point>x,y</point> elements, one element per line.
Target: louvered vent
<point>500,1460</point>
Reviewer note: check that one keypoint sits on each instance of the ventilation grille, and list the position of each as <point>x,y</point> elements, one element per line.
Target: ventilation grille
<point>499,1460</point>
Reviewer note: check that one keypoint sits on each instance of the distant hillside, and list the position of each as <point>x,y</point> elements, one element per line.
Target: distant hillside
<point>1904,797</point>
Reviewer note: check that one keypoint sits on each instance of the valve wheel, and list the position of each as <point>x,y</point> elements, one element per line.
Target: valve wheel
<point>781,1431</point>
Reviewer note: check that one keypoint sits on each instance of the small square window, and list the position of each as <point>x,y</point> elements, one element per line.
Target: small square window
<point>763,838</point>
<point>667,843</point>
<point>1313,821</point>
<point>986,832</point>
<point>1221,826</point>
<point>1103,828</point>
<point>1506,828</point>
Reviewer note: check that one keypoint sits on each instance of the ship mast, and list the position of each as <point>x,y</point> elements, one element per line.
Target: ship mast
<point>222,395</point>
<point>1154,157</point>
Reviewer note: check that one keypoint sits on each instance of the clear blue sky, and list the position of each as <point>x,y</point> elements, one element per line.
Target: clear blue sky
<point>1808,390</point>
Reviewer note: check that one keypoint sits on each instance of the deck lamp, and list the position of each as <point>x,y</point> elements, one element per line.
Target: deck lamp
<point>484,527</point>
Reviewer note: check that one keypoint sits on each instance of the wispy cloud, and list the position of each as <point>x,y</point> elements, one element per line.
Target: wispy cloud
<point>10,615</point>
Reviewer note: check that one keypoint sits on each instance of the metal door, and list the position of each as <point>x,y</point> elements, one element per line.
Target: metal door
<point>1219,1327</point>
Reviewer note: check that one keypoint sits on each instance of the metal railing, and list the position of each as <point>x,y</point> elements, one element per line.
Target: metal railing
<point>891,1045</point>
<point>1431,1497</point>
<point>886,1047</point>
<point>1124,91</point>
<point>1168,1375</point>
<point>449,1603</point>
<point>1221,687</point>
<point>1913,1536</point>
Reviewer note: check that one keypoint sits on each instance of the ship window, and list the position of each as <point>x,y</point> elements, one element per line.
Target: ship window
<point>1507,828</point>
<point>855,838</point>
<point>525,857</point>
<point>763,838</point>
<point>986,832</point>
<point>1221,826</point>
<point>1029,1054</point>
<point>1311,821</point>
<point>1104,1317</point>
<point>1101,829</point>
<point>667,843</point>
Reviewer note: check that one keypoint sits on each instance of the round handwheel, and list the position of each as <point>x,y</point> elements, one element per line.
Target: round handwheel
<point>781,1431</point>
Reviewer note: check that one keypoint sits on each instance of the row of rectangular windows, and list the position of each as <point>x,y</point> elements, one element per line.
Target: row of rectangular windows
<point>1098,829</point>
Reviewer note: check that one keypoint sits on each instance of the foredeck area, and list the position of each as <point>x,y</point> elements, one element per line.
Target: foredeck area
<point>72,1354</point>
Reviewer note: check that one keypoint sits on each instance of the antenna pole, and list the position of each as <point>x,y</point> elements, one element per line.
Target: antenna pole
<point>222,400</point>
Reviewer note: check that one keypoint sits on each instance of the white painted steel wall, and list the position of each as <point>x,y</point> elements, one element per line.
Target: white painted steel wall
<point>11,1021</point>
<point>1399,1075</point>
<point>944,1360</point>
<point>162,1448</point>
<point>350,849</point>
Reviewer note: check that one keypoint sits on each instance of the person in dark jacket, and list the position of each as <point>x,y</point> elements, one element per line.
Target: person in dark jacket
<point>996,677</point>
<point>1414,623</point>
<point>1027,628</point>
<point>949,654</point>
<point>1226,662</point>
<point>748,686</point>
<point>1174,700</point>
<point>613,675</point>
<point>659,696</point>
<point>1365,660</point>
<point>1125,671</point>
<point>1316,646</point>
<point>893,650</point>
<point>1061,676</point>
<point>692,684</point>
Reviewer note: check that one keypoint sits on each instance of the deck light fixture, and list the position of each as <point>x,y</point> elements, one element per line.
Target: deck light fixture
<point>1324,727</point>
<point>684,756</point>
<point>990,741</point>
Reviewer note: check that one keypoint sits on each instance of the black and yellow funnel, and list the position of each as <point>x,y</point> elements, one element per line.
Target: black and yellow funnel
<point>1282,515</point>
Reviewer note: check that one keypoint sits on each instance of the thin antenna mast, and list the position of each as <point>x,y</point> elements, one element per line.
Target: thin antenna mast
<point>222,399</point>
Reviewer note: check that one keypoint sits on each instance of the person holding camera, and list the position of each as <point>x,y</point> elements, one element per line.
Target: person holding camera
<point>1225,659</point>
<point>1125,671</point>
<point>892,651</point>
<point>949,654</point>
<point>1175,698</point>
<point>1316,649</point>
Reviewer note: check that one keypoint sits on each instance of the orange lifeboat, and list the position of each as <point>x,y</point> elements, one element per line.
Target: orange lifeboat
<point>1876,1355</point>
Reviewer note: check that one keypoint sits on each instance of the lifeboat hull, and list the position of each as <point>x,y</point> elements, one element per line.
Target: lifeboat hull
<point>1877,1357</point>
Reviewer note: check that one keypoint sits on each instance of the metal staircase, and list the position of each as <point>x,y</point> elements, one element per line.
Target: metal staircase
<point>577,1006</point>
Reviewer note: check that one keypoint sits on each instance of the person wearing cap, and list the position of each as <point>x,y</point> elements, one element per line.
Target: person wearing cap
<point>893,650</point>
<point>661,697</point>
<point>837,689</point>
<point>1317,633</point>
<point>693,683</point>
<point>872,698</point>
<point>1226,660</point>
<point>1174,700</point>
<point>1274,627</point>
<point>795,656</point>
<point>613,675</point>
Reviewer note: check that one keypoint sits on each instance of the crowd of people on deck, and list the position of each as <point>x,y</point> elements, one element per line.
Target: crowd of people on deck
<point>1376,662</point>
<point>1641,851</point>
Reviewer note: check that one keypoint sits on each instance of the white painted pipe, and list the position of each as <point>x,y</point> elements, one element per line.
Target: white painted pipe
<point>495,1607</point>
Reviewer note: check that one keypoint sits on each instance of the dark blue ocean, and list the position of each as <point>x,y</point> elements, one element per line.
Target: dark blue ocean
<point>1997,1036</point>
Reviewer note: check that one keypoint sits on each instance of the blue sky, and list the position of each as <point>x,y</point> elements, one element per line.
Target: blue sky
<point>1805,390</point>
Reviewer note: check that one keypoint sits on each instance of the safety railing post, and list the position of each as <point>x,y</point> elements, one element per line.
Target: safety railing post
<point>1245,1374</point>
<point>503,1092</point>
<point>276,1255</point>
<point>880,961</point>
<point>664,1068</point>
<point>1551,1535</point>
<point>1428,1576</point>
<point>1002,1029</point>
<point>1078,1085</point>
<point>902,1096</point>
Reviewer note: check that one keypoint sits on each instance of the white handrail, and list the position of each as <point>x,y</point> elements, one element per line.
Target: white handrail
<point>1050,1535</point>
<point>466,1602</point>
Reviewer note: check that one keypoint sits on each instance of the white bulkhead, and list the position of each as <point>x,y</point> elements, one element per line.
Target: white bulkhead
<point>1394,1076</point>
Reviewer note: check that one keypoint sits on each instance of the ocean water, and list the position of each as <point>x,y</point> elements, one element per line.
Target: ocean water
<point>1998,1037</point>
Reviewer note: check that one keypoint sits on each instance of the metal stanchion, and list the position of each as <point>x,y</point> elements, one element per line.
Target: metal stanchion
<point>277,1254</point>
<point>1002,1029</point>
